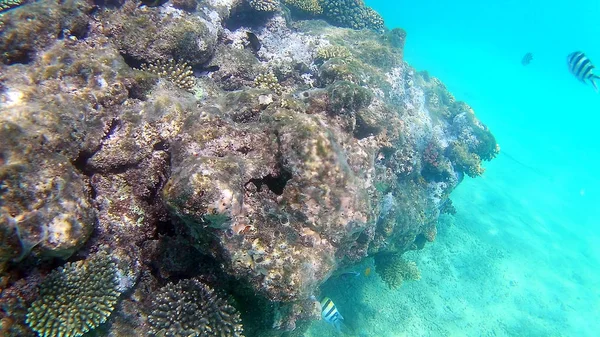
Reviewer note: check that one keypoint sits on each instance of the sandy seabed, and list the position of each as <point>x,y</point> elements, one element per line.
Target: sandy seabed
<point>502,266</point>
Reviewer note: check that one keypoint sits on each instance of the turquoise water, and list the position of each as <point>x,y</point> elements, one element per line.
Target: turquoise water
<point>521,256</point>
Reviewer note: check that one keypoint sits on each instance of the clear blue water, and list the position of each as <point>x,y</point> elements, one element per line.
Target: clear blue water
<point>521,257</point>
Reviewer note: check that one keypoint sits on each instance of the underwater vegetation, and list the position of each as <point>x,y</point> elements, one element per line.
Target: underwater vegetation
<point>217,149</point>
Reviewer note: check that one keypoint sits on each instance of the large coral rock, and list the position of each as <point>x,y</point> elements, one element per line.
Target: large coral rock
<point>44,201</point>
<point>279,195</point>
<point>147,34</point>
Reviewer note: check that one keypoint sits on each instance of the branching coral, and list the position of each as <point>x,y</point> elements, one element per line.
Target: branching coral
<point>394,269</point>
<point>191,308</point>
<point>179,73</point>
<point>268,81</point>
<point>75,298</point>
<point>308,6</point>
<point>8,4</point>
<point>329,52</point>
<point>264,5</point>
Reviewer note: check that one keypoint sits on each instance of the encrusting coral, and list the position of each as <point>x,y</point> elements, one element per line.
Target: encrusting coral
<point>75,298</point>
<point>191,308</point>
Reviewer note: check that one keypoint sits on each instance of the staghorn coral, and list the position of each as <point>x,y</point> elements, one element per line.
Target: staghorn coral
<point>75,298</point>
<point>191,308</point>
<point>264,5</point>
<point>311,7</point>
<point>179,73</point>
<point>393,269</point>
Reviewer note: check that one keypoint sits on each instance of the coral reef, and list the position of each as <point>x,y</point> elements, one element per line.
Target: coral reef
<point>311,7</point>
<point>329,52</point>
<point>44,204</point>
<point>179,73</point>
<point>352,14</point>
<point>146,35</point>
<point>191,308</point>
<point>75,298</point>
<point>264,5</point>
<point>268,81</point>
<point>394,269</point>
<point>301,148</point>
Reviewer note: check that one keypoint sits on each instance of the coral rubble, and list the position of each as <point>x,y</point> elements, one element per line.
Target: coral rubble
<point>296,149</point>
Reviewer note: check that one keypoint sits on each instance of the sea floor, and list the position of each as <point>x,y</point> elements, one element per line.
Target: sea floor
<point>499,267</point>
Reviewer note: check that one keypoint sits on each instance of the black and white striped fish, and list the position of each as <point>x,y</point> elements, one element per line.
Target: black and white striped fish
<point>330,314</point>
<point>582,67</point>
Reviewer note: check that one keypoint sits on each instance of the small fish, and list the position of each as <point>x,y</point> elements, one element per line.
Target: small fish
<point>330,314</point>
<point>527,59</point>
<point>153,3</point>
<point>349,275</point>
<point>254,41</point>
<point>582,68</point>
<point>367,271</point>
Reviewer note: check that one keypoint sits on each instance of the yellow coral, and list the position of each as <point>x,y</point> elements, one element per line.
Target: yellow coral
<point>268,81</point>
<point>309,6</point>
<point>264,5</point>
<point>329,52</point>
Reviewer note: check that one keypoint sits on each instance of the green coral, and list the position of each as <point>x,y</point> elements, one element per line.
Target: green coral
<point>394,269</point>
<point>329,52</point>
<point>351,14</point>
<point>311,7</point>
<point>347,97</point>
<point>264,5</point>
<point>465,161</point>
<point>179,73</point>
<point>8,4</point>
<point>191,308</point>
<point>397,38</point>
<point>75,298</point>
<point>268,80</point>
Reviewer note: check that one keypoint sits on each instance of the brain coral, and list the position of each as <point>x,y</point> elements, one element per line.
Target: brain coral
<point>75,298</point>
<point>191,308</point>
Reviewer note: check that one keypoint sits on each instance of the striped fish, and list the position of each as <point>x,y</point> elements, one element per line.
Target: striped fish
<point>330,314</point>
<point>582,67</point>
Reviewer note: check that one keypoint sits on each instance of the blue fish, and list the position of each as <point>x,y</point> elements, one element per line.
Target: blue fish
<point>330,314</point>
